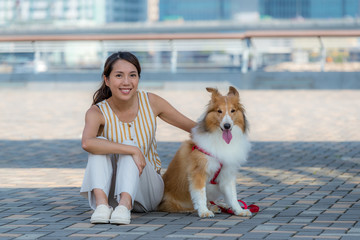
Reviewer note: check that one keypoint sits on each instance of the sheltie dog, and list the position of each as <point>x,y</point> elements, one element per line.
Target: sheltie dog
<point>204,168</point>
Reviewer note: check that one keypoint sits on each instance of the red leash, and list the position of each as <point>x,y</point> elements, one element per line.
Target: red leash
<point>252,208</point>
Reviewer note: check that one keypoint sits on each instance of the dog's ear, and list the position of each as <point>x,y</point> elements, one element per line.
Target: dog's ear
<point>233,91</point>
<point>213,91</point>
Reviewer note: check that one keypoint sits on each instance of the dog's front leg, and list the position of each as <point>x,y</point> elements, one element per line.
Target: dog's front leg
<point>198,194</point>
<point>230,195</point>
<point>198,197</point>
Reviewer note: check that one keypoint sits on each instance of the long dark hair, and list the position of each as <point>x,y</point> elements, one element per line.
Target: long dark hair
<point>104,91</point>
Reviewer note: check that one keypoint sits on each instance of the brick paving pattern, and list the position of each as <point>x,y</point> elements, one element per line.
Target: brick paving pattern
<point>303,169</point>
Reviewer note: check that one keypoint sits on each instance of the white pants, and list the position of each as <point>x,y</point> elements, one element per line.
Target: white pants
<point>146,191</point>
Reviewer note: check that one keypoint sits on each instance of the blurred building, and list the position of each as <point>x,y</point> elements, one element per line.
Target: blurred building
<point>95,12</point>
<point>309,9</point>
<point>201,10</point>
<point>126,11</point>
<point>77,12</point>
<point>51,11</point>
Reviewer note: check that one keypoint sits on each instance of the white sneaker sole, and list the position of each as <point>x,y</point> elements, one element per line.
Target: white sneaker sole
<point>99,220</point>
<point>120,221</point>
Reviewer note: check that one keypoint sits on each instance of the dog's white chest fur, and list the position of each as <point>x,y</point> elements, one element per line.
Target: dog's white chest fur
<point>231,156</point>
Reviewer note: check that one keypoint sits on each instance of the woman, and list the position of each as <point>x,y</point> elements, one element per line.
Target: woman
<point>119,135</point>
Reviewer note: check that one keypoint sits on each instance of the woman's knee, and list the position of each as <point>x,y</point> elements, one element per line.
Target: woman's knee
<point>95,159</point>
<point>99,164</point>
<point>127,163</point>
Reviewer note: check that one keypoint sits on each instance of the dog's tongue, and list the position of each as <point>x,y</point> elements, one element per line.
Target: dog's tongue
<point>227,136</point>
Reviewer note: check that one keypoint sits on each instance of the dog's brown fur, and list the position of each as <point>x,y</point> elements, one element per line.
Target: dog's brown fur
<point>177,197</point>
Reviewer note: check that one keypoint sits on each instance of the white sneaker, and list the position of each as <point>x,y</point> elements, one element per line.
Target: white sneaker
<point>121,215</point>
<point>101,214</point>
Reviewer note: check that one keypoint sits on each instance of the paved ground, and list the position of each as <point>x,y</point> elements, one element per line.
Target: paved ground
<point>303,170</point>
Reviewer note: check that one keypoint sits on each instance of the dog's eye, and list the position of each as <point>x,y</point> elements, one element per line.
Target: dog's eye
<point>219,111</point>
<point>232,110</point>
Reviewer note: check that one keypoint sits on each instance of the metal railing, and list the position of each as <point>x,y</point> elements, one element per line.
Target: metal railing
<point>251,50</point>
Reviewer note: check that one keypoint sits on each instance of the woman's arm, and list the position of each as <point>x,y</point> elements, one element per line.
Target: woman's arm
<point>93,121</point>
<point>169,114</point>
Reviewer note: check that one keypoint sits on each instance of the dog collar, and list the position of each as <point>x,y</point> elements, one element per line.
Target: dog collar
<point>213,180</point>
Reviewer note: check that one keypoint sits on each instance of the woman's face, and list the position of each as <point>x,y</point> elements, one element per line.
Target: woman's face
<point>123,80</point>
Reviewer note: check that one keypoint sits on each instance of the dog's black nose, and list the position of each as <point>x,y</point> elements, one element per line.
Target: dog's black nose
<point>227,126</point>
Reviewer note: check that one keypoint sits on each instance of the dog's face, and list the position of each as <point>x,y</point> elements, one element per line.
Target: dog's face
<point>224,112</point>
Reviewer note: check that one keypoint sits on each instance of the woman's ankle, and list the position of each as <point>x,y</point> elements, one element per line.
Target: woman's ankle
<point>102,204</point>
<point>100,197</point>
<point>127,205</point>
<point>125,200</point>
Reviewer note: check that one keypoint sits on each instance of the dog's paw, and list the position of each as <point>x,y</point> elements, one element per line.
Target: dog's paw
<point>206,214</point>
<point>214,209</point>
<point>243,213</point>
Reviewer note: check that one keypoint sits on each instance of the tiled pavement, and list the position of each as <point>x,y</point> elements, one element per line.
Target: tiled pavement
<point>303,170</point>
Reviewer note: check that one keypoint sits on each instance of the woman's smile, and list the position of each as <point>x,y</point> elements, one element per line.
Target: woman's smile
<point>125,90</point>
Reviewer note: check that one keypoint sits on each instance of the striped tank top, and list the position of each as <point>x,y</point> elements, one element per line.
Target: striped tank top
<point>141,130</point>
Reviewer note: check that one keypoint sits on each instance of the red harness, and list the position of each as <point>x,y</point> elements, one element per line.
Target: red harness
<point>213,180</point>
<point>253,208</point>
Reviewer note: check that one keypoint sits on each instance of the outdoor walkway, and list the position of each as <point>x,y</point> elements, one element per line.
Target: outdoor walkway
<point>303,171</point>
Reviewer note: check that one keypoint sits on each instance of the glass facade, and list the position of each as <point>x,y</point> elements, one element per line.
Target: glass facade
<point>334,8</point>
<point>126,10</point>
<point>313,9</point>
<point>190,10</point>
